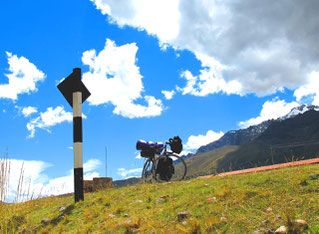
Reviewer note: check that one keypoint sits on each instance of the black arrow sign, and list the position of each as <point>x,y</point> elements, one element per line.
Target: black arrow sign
<point>71,84</point>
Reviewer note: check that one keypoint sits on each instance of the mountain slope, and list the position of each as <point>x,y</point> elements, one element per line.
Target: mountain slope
<point>236,137</point>
<point>206,163</point>
<point>284,140</point>
<point>291,137</point>
<point>247,135</point>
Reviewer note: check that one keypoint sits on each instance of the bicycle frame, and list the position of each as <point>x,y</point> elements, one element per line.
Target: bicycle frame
<point>153,162</point>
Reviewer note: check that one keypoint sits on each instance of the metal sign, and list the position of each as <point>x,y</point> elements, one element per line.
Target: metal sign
<point>71,84</point>
<point>75,92</point>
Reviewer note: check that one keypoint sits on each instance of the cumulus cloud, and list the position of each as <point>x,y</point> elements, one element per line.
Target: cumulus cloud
<point>34,183</point>
<point>27,111</point>
<point>65,184</point>
<point>22,78</point>
<point>159,18</point>
<point>194,142</point>
<point>263,46</point>
<point>206,83</point>
<point>114,78</point>
<point>168,94</point>
<point>310,90</point>
<point>30,182</point>
<point>270,110</point>
<point>91,165</point>
<point>125,173</point>
<point>138,155</point>
<point>52,116</point>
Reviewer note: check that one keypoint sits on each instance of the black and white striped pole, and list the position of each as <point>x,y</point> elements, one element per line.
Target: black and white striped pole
<point>76,93</point>
<point>77,146</point>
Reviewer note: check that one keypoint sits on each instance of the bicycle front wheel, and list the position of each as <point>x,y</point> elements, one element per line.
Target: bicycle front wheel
<point>180,168</point>
<point>148,171</point>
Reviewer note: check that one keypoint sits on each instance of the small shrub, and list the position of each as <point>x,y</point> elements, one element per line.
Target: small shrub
<point>16,221</point>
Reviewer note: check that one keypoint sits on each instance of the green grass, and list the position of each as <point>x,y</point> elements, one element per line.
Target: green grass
<point>244,201</point>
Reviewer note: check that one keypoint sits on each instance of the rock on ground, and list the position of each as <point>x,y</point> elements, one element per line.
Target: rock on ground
<point>183,215</point>
<point>302,224</point>
<point>281,229</point>
<point>45,221</point>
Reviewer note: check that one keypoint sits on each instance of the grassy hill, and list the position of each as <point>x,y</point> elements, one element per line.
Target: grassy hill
<point>206,163</point>
<point>233,204</point>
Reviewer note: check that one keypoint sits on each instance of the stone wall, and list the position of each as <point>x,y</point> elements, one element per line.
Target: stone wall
<point>97,183</point>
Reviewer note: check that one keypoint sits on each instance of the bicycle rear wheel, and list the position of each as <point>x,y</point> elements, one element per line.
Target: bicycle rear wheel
<point>180,168</point>
<point>148,171</point>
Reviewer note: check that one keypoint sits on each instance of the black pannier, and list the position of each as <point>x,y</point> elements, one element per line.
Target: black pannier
<point>165,168</point>
<point>148,153</point>
<point>176,144</point>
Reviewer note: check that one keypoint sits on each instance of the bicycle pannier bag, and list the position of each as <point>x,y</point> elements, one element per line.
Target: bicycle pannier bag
<point>176,144</point>
<point>165,168</point>
<point>148,153</point>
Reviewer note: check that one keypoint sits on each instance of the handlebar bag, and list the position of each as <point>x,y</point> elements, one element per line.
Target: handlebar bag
<point>176,144</point>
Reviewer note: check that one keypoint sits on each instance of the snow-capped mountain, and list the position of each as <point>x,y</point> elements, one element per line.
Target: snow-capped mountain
<point>244,136</point>
<point>299,110</point>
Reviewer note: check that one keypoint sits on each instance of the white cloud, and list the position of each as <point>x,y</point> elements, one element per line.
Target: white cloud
<point>22,78</point>
<point>194,142</point>
<point>310,90</point>
<point>35,182</point>
<point>30,183</point>
<point>168,94</point>
<point>59,185</point>
<point>208,83</point>
<point>130,172</point>
<point>160,18</point>
<point>91,165</point>
<point>27,111</point>
<point>270,110</point>
<point>138,155</point>
<point>210,80</point>
<point>48,119</point>
<point>262,46</point>
<point>114,78</point>
<point>130,110</point>
<point>64,184</point>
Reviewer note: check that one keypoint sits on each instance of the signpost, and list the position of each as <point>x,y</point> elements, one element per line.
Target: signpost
<point>75,92</point>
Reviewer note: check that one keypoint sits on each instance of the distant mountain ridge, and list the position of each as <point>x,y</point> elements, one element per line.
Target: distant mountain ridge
<point>126,182</point>
<point>244,136</point>
<point>236,137</point>
<point>294,136</point>
<point>299,110</point>
<point>297,138</point>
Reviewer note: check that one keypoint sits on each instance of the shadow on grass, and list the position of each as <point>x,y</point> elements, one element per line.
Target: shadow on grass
<point>66,211</point>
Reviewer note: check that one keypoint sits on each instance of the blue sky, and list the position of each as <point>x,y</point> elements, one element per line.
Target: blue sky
<point>155,69</point>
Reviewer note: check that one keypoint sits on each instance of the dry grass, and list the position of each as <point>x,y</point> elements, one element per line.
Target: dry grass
<point>9,219</point>
<point>233,204</point>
